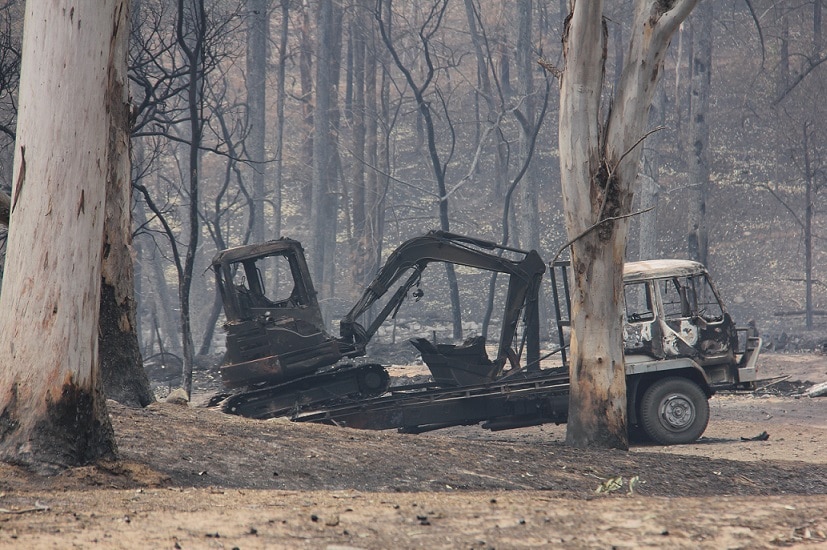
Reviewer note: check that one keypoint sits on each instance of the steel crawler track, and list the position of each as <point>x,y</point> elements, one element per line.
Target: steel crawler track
<point>356,381</point>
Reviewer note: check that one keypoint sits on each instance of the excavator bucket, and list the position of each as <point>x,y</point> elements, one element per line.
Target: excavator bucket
<point>464,365</point>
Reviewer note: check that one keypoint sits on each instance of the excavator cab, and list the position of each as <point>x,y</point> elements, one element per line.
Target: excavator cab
<point>274,324</point>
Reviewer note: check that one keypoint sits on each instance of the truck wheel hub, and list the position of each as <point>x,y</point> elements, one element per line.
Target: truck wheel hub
<point>677,412</point>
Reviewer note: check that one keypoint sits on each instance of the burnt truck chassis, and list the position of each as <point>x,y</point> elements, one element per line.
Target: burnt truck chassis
<point>675,359</point>
<point>514,402</point>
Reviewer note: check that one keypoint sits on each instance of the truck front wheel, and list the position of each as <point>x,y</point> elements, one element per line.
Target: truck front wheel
<point>674,410</point>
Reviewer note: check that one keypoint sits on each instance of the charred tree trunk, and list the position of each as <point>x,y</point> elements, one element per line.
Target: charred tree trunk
<point>699,157</point>
<point>124,378</point>
<point>191,42</point>
<point>490,95</point>
<point>525,71</point>
<point>808,229</point>
<point>52,409</point>
<point>649,181</point>
<point>325,155</point>
<point>280,100</point>
<point>258,24</point>
<point>599,164</point>
<point>374,181</point>
<point>306,82</point>
<point>361,277</point>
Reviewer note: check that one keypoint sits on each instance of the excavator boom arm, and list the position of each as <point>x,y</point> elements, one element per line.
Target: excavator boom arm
<point>437,246</point>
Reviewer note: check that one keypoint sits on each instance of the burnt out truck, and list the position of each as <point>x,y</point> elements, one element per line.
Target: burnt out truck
<point>681,344</point>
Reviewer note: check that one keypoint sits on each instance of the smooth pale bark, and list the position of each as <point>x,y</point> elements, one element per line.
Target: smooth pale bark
<point>124,378</point>
<point>52,410</point>
<point>599,166</point>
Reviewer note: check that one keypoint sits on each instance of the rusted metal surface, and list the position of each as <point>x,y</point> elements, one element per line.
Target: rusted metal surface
<point>463,365</point>
<point>672,312</point>
<point>529,400</point>
<point>275,331</point>
<point>411,258</point>
<point>679,339</point>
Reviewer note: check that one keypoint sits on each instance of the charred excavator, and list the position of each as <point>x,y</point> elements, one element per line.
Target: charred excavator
<point>681,345</point>
<point>284,361</point>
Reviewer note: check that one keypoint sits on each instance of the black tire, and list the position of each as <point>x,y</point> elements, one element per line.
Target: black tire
<point>674,411</point>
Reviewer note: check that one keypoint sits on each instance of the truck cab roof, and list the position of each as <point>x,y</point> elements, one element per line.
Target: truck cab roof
<point>660,269</point>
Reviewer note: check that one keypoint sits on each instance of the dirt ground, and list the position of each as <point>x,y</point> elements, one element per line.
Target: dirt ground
<point>190,477</point>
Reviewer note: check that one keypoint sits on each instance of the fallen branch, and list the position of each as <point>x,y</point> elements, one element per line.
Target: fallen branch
<point>38,507</point>
<point>818,312</point>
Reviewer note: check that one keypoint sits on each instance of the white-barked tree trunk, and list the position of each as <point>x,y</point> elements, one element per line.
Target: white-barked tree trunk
<point>600,151</point>
<point>52,410</point>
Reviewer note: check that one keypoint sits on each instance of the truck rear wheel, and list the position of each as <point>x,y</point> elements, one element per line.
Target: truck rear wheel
<point>674,410</point>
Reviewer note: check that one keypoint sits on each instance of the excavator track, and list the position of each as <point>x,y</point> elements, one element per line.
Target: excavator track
<point>513,402</point>
<point>343,382</point>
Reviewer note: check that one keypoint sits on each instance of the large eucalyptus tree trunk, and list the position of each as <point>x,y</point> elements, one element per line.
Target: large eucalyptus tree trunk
<point>599,162</point>
<point>52,410</point>
<point>124,378</point>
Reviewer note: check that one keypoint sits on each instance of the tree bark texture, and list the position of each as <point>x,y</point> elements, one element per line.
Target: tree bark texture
<point>650,181</point>
<point>258,23</point>
<point>280,99</point>
<point>699,157</point>
<point>190,37</point>
<point>124,378</point>
<point>599,164</point>
<point>359,30</point>
<point>324,206</point>
<point>52,409</point>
